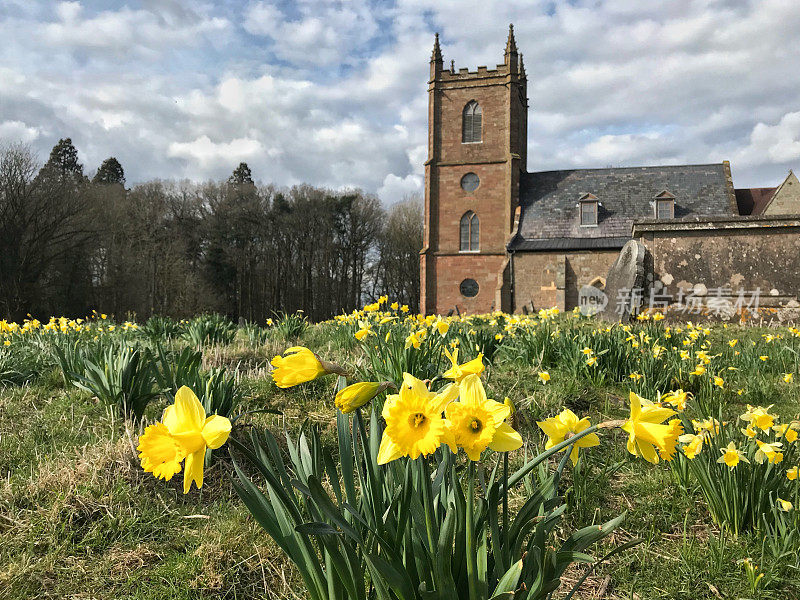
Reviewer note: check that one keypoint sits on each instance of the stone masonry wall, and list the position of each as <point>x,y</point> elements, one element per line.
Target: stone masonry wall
<point>452,270</point>
<point>739,253</point>
<point>547,279</point>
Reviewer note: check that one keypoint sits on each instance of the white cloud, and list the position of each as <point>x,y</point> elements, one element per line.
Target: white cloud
<point>324,33</point>
<point>779,143</point>
<point>396,188</point>
<point>126,30</point>
<point>17,131</point>
<point>335,93</point>
<point>206,152</point>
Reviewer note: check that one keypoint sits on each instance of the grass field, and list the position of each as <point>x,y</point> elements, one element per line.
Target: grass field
<point>79,518</point>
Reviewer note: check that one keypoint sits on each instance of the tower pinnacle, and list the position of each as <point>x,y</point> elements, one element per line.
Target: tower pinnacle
<point>511,44</point>
<point>436,56</point>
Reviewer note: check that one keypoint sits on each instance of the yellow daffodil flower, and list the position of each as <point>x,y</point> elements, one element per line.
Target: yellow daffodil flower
<point>299,365</point>
<point>699,370</point>
<point>786,431</point>
<point>785,505</point>
<point>478,422</point>
<point>567,423</point>
<point>769,452</point>
<point>676,399</point>
<point>358,394</point>
<point>457,372</point>
<point>759,416</point>
<point>791,474</point>
<point>442,327</point>
<point>366,329</point>
<point>414,422</point>
<point>544,376</point>
<point>591,361</point>
<point>647,436</point>
<point>731,456</point>
<point>636,376</point>
<point>184,433</point>
<point>694,444</point>
<point>719,382</point>
<point>788,377</point>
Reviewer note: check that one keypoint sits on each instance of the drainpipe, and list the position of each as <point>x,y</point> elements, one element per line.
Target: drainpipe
<point>513,282</point>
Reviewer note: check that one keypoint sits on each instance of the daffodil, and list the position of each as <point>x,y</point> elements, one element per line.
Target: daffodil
<point>364,331</point>
<point>591,361</point>
<point>544,376</point>
<point>731,455</point>
<point>358,394</point>
<point>698,370</point>
<point>791,474</point>
<point>758,416</point>
<point>457,372</point>
<point>636,376</point>
<point>676,399</point>
<point>299,365</point>
<point>785,505</point>
<point>694,444</point>
<point>184,434</point>
<point>647,436</point>
<point>478,422</point>
<point>414,339</point>
<point>567,423</point>
<point>786,431</point>
<point>414,422</point>
<point>788,377</point>
<point>770,452</point>
<point>719,382</point>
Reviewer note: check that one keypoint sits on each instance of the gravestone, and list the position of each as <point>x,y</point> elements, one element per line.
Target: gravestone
<point>626,284</point>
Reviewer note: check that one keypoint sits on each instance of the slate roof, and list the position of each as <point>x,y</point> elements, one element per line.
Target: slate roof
<point>753,201</point>
<point>549,217</point>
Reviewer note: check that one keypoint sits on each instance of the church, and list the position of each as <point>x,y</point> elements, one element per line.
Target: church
<point>498,237</point>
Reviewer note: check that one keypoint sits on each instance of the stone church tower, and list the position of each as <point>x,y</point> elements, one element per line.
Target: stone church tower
<point>477,140</point>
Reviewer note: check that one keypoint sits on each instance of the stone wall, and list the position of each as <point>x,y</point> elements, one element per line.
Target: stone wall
<point>547,279</point>
<point>721,257</point>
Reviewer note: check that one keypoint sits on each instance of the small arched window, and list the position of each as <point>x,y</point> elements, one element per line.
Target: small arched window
<point>470,232</point>
<point>471,129</point>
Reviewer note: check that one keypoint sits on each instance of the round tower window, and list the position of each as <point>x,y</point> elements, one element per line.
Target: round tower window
<point>470,182</point>
<point>469,288</point>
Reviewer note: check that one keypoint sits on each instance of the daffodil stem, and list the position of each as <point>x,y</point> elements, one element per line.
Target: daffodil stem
<point>472,556</point>
<point>530,466</point>
<point>427,497</point>
<point>505,495</point>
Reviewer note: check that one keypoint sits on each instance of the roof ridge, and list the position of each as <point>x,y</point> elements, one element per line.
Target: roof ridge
<point>719,164</point>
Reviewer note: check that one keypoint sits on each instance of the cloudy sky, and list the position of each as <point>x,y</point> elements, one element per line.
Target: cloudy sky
<point>333,93</point>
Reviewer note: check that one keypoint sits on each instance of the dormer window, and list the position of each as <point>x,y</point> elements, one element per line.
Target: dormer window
<point>588,205</point>
<point>665,206</point>
<point>471,123</point>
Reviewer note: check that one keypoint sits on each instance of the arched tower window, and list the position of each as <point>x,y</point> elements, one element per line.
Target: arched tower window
<point>470,232</point>
<point>471,129</point>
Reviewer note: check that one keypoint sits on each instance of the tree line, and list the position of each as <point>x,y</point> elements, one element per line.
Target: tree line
<point>70,244</point>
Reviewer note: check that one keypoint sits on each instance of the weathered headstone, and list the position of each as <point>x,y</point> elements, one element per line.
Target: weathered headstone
<point>626,285</point>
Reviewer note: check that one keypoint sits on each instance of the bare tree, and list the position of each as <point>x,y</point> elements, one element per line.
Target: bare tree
<point>40,220</point>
